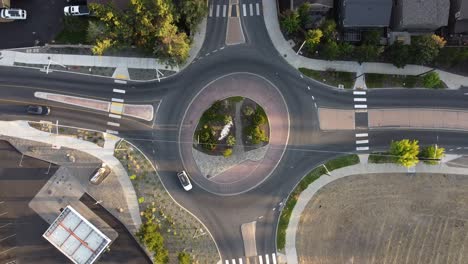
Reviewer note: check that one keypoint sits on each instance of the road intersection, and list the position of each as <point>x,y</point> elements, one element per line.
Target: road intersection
<point>307,147</point>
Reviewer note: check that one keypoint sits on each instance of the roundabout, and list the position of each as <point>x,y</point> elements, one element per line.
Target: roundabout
<point>250,164</point>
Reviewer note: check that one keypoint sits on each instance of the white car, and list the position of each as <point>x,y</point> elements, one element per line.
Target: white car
<point>80,10</point>
<point>184,180</point>
<point>13,14</point>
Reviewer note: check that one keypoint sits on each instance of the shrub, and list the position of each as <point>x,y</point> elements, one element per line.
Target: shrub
<point>227,152</point>
<point>312,39</point>
<point>432,80</point>
<point>290,22</point>
<point>184,258</point>
<point>433,153</point>
<point>405,152</point>
<point>133,177</point>
<point>256,135</point>
<point>248,111</point>
<point>227,119</point>
<point>231,140</point>
<point>141,200</point>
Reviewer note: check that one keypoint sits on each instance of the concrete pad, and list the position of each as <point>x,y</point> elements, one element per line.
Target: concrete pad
<point>336,119</point>
<point>145,112</point>
<point>234,34</point>
<point>121,72</point>
<point>248,236</point>
<point>418,118</point>
<point>73,100</point>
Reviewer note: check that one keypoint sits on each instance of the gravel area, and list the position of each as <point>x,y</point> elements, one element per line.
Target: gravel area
<point>84,134</point>
<point>101,71</point>
<point>181,231</point>
<point>148,74</point>
<point>387,218</point>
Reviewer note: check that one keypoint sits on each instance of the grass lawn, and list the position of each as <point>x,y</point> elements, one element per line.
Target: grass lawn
<point>380,157</point>
<point>305,182</point>
<point>331,77</point>
<point>74,31</point>
<point>375,80</point>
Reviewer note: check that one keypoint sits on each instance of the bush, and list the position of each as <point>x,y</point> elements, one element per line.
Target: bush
<point>405,152</point>
<point>248,111</point>
<point>141,200</point>
<point>149,235</point>
<point>432,80</point>
<point>256,135</point>
<point>227,119</point>
<point>312,39</point>
<point>227,152</point>
<point>290,22</point>
<point>433,154</point>
<point>231,140</point>
<point>184,258</point>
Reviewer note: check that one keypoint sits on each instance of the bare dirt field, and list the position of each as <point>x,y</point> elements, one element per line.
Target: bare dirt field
<point>387,219</point>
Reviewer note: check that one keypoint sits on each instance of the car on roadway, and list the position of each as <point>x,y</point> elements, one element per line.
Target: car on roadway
<point>77,10</point>
<point>38,110</point>
<point>13,14</point>
<point>184,180</point>
<point>100,174</point>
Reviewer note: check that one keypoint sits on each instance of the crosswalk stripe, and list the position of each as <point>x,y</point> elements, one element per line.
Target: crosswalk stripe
<point>359,92</point>
<point>115,116</point>
<point>233,261</point>
<point>362,148</point>
<point>117,100</point>
<point>364,141</point>
<point>119,91</point>
<point>113,124</point>
<point>217,10</point>
<point>108,131</point>
<point>360,100</point>
<point>258,8</point>
<point>260,259</point>
<point>211,10</point>
<point>273,256</point>
<point>267,259</point>
<point>224,10</point>
<point>226,261</point>
<point>251,9</point>
<point>240,260</point>
<point>360,106</point>
<point>244,10</point>
<point>362,135</point>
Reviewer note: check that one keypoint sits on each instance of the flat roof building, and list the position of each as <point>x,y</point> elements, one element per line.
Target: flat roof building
<point>76,237</point>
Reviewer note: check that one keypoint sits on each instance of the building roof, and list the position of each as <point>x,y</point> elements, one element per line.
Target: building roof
<point>76,238</point>
<point>366,13</point>
<point>423,14</point>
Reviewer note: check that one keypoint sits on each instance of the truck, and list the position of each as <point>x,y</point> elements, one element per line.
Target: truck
<point>78,10</point>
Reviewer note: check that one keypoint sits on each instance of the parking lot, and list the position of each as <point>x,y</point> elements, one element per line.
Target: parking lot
<point>21,228</point>
<point>44,21</point>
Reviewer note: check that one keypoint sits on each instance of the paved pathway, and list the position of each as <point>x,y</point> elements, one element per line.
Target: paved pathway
<point>361,168</point>
<point>453,81</point>
<point>21,129</point>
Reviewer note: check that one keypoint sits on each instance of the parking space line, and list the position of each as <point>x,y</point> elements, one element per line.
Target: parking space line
<point>113,124</point>
<point>117,100</point>
<point>5,251</point>
<point>119,91</point>
<point>5,238</point>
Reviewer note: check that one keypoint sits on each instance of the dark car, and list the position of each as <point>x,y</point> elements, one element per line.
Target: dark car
<point>38,110</point>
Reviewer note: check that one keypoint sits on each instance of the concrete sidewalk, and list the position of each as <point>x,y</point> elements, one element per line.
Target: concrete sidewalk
<point>270,15</point>
<point>21,129</point>
<point>361,168</point>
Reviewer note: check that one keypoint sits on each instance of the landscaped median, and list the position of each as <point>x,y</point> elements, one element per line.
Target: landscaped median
<point>331,77</point>
<point>313,175</point>
<point>168,230</point>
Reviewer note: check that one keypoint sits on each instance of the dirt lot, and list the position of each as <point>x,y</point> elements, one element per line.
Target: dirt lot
<point>387,218</point>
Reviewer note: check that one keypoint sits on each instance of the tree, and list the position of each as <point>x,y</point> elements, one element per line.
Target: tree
<point>432,80</point>
<point>184,258</point>
<point>405,152</point>
<point>290,22</point>
<point>101,46</point>
<point>424,49</point>
<point>248,111</point>
<point>398,54</point>
<point>367,52</point>
<point>149,235</point>
<point>304,13</point>
<point>227,119</point>
<point>256,134</point>
<point>433,153</point>
<point>372,37</point>
<point>312,39</point>
<point>331,50</point>
<point>193,12</point>
<point>260,117</point>
<point>346,49</point>
<point>329,29</point>
<point>439,40</point>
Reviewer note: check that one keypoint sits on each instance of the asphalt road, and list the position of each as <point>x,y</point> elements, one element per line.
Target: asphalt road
<point>307,147</point>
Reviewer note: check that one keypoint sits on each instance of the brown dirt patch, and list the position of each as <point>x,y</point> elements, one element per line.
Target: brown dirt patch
<point>387,218</point>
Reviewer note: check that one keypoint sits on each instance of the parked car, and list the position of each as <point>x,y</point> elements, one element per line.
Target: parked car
<point>79,10</point>
<point>184,180</point>
<point>38,110</point>
<point>100,174</point>
<point>13,13</point>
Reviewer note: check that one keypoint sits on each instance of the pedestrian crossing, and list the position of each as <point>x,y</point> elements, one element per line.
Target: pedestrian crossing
<point>360,107</point>
<point>247,10</point>
<point>260,259</point>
